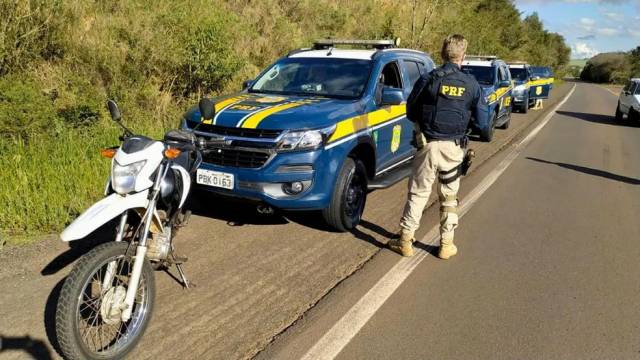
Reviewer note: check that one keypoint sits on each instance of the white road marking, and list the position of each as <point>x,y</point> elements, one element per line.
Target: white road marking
<point>332,343</point>
<point>609,90</point>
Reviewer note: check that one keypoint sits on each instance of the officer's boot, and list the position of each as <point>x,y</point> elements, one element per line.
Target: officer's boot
<point>447,249</point>
<point>403,245</point>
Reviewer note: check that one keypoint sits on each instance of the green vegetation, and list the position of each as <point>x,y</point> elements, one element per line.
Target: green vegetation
<point>60,61</point>
<point>614,68</point>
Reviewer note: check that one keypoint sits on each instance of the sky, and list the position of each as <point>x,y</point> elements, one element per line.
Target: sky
<point>589,26</point>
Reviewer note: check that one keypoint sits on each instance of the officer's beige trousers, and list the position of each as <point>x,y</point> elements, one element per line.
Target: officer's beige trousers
<point>434,157</point>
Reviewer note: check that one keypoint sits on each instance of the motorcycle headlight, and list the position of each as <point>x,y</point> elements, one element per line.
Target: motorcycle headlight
<point>123,177</point>
<point>305,140</point>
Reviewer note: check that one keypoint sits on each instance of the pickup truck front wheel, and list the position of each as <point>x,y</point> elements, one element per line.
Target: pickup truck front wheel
<point>348,198</point>
<point>619,114</point>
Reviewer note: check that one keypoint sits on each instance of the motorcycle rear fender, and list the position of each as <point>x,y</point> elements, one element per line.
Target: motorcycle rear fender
<point>103,211</point>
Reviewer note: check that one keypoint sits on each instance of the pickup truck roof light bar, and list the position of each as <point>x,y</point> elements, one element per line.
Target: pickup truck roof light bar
<point>481,57</point>
<point>376,44</point>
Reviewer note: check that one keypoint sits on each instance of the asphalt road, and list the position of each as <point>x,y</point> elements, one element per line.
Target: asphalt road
<point>547,265</point>
<point>261,280</point>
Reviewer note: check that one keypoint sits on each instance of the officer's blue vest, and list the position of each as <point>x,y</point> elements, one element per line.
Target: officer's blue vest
<point>446,101</point>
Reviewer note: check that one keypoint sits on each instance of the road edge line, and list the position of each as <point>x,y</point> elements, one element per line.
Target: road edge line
<point>350,324</point>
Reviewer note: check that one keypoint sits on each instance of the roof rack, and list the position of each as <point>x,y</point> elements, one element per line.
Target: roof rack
<point>376,44</point>
<point>481,57</point>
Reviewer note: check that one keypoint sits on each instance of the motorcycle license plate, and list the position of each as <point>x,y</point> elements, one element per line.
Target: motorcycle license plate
<point>215,179</point>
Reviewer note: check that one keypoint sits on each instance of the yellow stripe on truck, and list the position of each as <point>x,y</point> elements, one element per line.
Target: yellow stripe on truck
<point>230,101</point>
<point>254,120</point>
<point>541,82</point>
<point>357,123</point>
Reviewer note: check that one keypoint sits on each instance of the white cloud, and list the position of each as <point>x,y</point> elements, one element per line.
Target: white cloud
<point>614,16</point>
<point>587,21</point>
<point>634,33</point>
<point>608,31</point>
<point>582,50</point>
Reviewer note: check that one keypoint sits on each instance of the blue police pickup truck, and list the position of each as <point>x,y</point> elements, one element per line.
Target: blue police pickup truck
<point>316,130</point>
<point>495,80</point>
<point>531,84</point>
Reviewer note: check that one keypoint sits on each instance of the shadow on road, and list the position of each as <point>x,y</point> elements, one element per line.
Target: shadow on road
<point>597,118</point>
<point>37,349</point>
<point>239,213</point>
<point>80,247</point>
<point>590,171</point>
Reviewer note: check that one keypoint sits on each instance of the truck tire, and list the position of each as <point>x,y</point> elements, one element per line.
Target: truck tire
<point>619,114</point>
<point>487,135</point>
<point>348,198</point>
<point>633,116</point>
<point>525,105</point>
<point>72,308</point>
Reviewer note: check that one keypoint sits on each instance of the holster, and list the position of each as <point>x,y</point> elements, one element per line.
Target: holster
<point>466,162</point>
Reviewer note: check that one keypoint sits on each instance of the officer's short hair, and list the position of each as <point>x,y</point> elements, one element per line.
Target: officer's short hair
<point>454,48</point>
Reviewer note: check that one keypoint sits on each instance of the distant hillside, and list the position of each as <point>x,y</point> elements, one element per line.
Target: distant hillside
<point>578,62</point>
<point>613,67</point>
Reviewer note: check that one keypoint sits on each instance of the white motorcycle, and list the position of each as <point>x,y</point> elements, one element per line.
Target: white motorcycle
<point>107,300</point>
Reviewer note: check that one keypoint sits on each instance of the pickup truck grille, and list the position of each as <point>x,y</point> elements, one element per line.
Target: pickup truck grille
<point>236,158</point>
<point>237,132</point>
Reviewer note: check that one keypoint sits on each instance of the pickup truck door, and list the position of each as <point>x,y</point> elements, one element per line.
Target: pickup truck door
<point>391,139</point>
<point>539,87</point>
<point>626,97</point>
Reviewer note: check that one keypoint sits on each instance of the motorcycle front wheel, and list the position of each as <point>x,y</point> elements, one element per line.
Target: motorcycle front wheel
<point>88,315</point>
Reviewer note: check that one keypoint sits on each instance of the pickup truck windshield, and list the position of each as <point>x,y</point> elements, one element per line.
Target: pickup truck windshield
<point>518,74</point>
<point>484,74</point>
<point>340,78</point>
<point>541,71</point>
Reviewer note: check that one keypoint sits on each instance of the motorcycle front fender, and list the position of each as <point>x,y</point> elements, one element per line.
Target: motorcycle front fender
<point>103,211</point>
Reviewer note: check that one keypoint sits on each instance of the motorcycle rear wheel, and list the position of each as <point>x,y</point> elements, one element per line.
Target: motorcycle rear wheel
<point>88,325</point>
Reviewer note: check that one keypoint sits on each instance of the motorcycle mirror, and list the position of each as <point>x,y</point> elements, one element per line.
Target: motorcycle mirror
<point>207,108</point>
<point>114,110</point>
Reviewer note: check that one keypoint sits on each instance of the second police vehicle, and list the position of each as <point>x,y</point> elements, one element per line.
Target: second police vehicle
<point>493,76</point>
<point>531,84</point>
<point>316,130</point>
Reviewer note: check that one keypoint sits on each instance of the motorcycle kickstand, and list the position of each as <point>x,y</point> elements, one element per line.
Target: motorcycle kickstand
<point>185,282</point>
<point>178,261</point>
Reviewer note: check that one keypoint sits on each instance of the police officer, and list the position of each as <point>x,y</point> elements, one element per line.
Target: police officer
<point>441,104</point>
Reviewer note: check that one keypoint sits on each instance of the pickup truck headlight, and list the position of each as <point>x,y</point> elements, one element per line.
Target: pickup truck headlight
<point>123,177</point>
<point>520,89</point>
<point>305,140</point>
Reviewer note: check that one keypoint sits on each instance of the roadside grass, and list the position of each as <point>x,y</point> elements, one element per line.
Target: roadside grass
<point>46,182</point>
<point>60,60</point>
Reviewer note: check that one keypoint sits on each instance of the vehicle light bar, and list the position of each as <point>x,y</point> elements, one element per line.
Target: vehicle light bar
<point>480,57</point>
<point>376,44</point>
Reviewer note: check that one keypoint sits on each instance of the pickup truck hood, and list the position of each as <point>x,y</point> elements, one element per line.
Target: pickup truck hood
<point>277,112</point>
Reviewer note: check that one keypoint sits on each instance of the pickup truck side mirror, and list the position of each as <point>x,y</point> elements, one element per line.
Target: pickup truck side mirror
<point>392,96</point>
<point>504,83</point>
<point>206,107</point>
<point>114,110</point>
<point>246,84</point>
